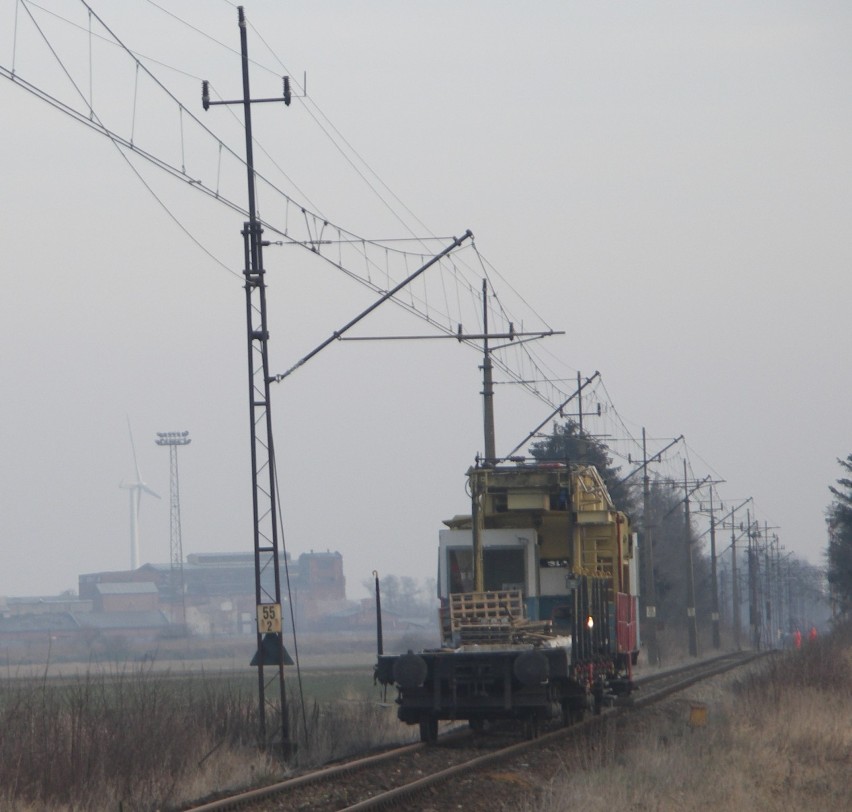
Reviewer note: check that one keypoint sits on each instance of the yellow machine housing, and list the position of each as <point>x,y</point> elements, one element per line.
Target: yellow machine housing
<point>577,527</point>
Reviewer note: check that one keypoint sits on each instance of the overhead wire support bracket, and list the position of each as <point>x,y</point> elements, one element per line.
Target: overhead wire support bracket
<point>457,241</point>
<point>206,103</point>
<point>556,411</point>
<point>511,336</point>
<point>697,485</point>
<point>658,457</point>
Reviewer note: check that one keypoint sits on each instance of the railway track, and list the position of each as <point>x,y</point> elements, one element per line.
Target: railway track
<point>388,779</point>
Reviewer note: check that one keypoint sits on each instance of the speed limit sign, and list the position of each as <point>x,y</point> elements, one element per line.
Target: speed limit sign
<point>269,618</point>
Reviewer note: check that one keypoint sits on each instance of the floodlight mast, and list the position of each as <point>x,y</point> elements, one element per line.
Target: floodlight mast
<point>177,587</point>
<point>274,732</point>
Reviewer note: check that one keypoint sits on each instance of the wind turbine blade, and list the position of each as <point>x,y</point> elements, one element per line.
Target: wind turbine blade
<point>145,488</point>
<point>133,446</point>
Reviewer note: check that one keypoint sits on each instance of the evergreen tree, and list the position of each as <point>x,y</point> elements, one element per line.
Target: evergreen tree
<point>568,443</point>
<point>840,539</point>
<point>666,507</point>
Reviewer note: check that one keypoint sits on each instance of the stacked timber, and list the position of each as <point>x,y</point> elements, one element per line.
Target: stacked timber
<point>493,618</point>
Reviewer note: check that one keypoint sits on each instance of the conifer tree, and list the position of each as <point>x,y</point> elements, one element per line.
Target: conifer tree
<point>840,538</point>
<point>567,443</point>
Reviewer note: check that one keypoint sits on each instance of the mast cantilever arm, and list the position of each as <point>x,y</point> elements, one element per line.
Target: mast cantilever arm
<point>464,337</point>
<point>526,337</point>
<point>556,411</point>
<point>457,241</point>
<point>656,458</point>
<point>695,488</point>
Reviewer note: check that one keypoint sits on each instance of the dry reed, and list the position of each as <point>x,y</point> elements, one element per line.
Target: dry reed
<point>131,739</point>
<point>778,739</point>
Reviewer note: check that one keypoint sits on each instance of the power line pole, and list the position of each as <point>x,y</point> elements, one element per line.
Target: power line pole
<point>649,591</point>
<point>753,605</point>
<point>648,588</point>
<point>690,579</point>
<point>274,725</point>
<point>768,578</point>
<point>177,588</point>
<point>487,386</point>
<point>770,599</point>
<point>736,600</point>
<point>714,585</point>
<point>735,585</point>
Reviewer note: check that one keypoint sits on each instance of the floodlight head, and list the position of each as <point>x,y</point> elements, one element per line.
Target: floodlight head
<point>173,438</point>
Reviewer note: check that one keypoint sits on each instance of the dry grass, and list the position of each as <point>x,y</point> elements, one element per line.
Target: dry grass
<point>118,737</point>
<point>777,740</point>
<point>133,739</point>
<point>339,729</point>
<point>130,738</point>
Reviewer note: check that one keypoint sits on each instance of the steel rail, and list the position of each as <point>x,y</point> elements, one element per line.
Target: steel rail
<point>695,672</point>
<point>684,677</point>
<point>301,780</point>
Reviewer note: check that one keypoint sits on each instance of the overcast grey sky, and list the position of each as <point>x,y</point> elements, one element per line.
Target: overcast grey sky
<point>668,183</point>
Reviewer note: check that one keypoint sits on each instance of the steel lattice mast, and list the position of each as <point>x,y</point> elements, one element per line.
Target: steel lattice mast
<point>177,592</point>
<point>274,726</point>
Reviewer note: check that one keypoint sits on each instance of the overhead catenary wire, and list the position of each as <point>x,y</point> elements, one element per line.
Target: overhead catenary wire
<point>419,304</point>
<point>96,124</point>
<point>456,279</point>
<point>311,103</point>
<point>551,379</point>
<point>110,41</point>
<point>313,109</point>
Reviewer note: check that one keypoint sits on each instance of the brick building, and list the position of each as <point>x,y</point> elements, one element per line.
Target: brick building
<point>219,589</point>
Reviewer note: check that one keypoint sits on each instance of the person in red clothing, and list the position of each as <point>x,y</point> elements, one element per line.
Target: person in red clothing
<point>797,639</point>
<point>812,634</point>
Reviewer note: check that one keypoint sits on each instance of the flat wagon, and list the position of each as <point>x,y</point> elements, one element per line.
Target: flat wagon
<point>538,604</point>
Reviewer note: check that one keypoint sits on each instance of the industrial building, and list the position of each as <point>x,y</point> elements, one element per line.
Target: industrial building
<point>219,590</point>
<point>217,599</point>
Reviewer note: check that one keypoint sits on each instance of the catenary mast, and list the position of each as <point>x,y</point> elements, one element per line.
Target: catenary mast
<point>274,728</point>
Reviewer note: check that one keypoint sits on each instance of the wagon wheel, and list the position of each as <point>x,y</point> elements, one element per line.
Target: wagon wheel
<point>598,695</point>
<point>428,729</point>
<point>572,712</point>
<point>531,726</point>
<point>565,704</point>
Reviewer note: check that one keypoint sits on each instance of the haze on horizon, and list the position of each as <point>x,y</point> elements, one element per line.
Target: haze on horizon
<point>668,184</point>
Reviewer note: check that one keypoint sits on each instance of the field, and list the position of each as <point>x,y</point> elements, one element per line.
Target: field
<point>144,736</point>
<point>138,737</point>
<point>777,739</point>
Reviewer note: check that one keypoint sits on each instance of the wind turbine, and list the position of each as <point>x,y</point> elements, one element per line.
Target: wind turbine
<point>135,489</point>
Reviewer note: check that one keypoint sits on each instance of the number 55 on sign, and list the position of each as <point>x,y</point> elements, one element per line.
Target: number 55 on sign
<point>269,618</point>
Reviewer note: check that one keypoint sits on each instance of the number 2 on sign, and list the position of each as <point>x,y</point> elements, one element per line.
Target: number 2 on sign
<point>269,618</point>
